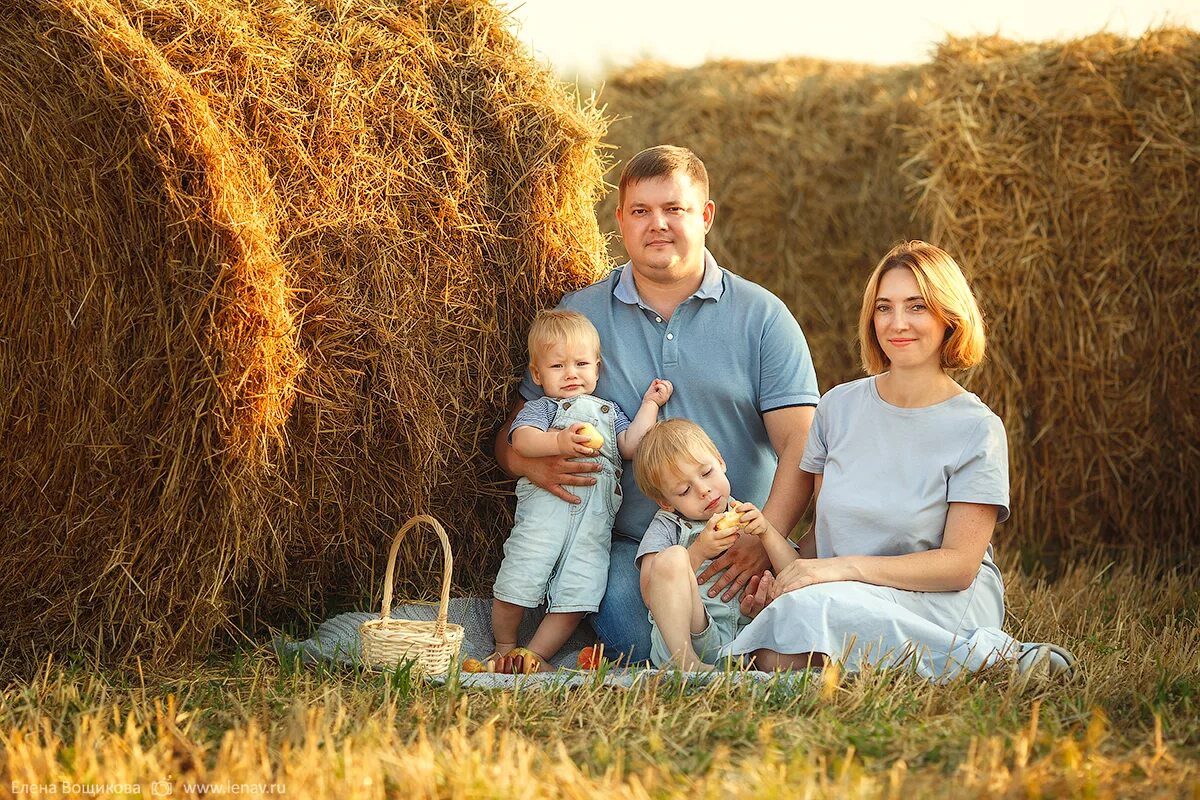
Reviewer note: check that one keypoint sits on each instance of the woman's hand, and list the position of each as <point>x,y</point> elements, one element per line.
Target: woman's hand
<point>808,571</point>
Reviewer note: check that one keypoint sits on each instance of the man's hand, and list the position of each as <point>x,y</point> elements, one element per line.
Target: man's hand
<point>555,473</point>
<point>757,595</point>
<point>745,560</point>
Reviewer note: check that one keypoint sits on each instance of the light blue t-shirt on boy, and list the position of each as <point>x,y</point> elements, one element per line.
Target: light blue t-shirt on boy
<point>733,351</point>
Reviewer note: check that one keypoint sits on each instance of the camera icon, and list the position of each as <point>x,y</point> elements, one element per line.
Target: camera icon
<point>161,789</point>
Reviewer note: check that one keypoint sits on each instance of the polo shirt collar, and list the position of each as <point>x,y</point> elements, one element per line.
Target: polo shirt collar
<point>712,285</point>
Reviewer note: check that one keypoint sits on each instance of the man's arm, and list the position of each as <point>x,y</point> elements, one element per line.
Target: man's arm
<point>792,488</point>
<point>551,473</point>
<point>791,491</point>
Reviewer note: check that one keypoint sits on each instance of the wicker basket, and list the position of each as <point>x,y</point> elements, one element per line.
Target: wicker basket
<point>430,645</point>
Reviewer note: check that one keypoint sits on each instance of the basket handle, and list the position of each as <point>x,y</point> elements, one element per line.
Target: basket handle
<point>448,565</point>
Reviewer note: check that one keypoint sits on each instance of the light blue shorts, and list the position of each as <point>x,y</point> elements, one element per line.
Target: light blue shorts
<point>558,551</point>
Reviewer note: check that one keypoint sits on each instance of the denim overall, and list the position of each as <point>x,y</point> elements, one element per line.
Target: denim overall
<point>558,551</point>
<point>725,618</point>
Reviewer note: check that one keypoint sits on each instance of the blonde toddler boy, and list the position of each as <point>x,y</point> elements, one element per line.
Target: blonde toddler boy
<point>679,467</point>
<point>558,552</point>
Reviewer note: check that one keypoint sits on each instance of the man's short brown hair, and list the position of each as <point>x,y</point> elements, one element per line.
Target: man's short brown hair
<point>659,162</point>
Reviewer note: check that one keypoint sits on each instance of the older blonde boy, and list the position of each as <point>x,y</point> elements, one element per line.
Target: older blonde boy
<point>680,469</point>
<point>558,552</point>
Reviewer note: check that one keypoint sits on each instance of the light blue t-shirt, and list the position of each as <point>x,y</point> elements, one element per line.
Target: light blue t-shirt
<point>890,473</point>
<point>732,351</point>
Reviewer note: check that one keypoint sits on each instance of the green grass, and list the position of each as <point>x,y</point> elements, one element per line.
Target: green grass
<point>1128,724</point>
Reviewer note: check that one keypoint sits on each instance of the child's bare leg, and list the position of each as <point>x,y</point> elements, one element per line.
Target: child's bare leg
<point>506,618</point>
<point>671,594</point>
<point>770,661</point>
<point>552,633</point>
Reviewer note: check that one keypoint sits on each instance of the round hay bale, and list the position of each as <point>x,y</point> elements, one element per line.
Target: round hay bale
<point>270,267</point>
<point>1065,176</point>
<point>804,161</point>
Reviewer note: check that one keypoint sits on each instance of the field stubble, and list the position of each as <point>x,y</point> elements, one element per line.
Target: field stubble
<point>1125,725</point>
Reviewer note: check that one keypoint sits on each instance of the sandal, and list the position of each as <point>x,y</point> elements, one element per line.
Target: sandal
<point>518,661</point>
<point>1042,660</point>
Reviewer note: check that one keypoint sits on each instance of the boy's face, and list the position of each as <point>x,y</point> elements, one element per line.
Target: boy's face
<point>697,490</point>
<point>566,369</point>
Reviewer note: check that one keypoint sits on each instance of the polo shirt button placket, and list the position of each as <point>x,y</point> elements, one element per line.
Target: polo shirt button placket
<point>670,348</point>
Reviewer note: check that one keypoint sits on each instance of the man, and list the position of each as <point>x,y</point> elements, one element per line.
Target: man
<point>735,355</point>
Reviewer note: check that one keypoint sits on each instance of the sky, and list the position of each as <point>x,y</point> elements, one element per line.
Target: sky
<point>586,40</point>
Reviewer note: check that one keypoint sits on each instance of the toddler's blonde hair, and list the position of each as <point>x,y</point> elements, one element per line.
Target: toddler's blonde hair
<point>554,325</point>
<point>664,446</point>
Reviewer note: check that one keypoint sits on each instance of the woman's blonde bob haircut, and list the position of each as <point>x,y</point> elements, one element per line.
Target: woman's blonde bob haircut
<point>664,446</point>
<point>946,294</point>
<point>552,326</point>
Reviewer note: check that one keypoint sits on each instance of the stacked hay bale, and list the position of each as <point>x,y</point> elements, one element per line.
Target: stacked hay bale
<point>269,269</point>
<point>1066,175</point>
<point>1064,178</point>
<point>803,159</point>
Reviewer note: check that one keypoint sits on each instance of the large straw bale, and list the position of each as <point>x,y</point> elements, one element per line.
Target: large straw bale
<point>804,166</point>
<point>1065,175</point>
<point>268,267</point>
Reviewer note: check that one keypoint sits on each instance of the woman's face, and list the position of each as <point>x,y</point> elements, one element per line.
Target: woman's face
<point>908,331</point>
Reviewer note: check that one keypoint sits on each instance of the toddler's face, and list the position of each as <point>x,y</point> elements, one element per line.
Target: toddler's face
<point>567,369</point>
<point>698,490</point>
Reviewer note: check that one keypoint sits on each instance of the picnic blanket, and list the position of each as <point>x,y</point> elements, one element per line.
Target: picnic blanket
<point>336,641</point>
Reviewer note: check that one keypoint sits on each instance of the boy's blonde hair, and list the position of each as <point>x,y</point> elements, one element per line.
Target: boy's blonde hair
<point>947,295</point>
<point>553,325</point>
<point>663,446</point>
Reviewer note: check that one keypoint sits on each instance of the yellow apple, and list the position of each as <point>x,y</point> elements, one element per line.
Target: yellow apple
<point>729,519</point>
<point>595,440</point>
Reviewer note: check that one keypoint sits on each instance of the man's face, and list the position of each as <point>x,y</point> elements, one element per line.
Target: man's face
<point>663,222</point>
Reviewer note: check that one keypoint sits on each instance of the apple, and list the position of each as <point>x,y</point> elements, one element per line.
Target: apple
<point>590,657</point>
<point>730,519</point>
<point>595,440</point>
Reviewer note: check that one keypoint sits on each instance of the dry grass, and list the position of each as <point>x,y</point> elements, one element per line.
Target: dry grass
<point>268,271</point>
<point>1128,725</point>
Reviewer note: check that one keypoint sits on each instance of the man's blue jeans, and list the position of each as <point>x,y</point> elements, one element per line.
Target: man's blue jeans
<point>622,622</point>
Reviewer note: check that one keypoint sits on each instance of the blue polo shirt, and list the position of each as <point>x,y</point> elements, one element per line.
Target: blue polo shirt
<point>733,351</point>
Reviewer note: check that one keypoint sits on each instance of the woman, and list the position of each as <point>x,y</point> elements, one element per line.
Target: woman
<point>911,478</point>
